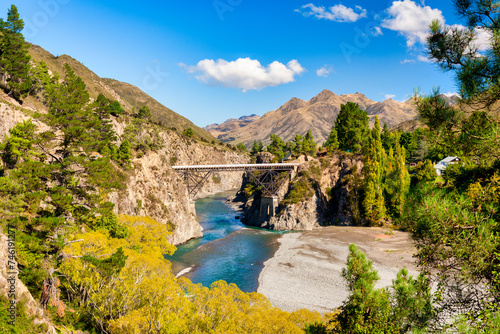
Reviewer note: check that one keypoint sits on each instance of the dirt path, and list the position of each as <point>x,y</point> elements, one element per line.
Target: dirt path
<point>306,270</point>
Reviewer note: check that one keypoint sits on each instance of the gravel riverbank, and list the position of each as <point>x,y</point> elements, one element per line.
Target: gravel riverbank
<point>306,270</point>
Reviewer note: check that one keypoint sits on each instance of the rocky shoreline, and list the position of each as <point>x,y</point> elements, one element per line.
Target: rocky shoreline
<point>306,270</point>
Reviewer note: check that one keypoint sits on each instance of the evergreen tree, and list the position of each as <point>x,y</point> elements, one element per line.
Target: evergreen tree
<point>352,127</point>
<point>276,146</point>
<point>241,147</point>
<point>309,144</point>
<point>104,129</point>
<point>144,113</point>
<point>299,144</point>
<point>14,57</point>
<point>188,132</point>
<point>332,142</point>
<point>125,153</point>
<point>257,147</point>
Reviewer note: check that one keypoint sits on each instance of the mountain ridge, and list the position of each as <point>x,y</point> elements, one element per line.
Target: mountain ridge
<point>130,97</point>
<point>318,114</point>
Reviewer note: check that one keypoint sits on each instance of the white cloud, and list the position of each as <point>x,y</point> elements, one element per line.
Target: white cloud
<point>245,73</point>
<point>424,59</point>
<point>482,39</point>
<point>324,71</point>
<point>377,31</point>
<point>411,20</point>
<point>407,61</point>
<point>389,96</point>
<point>337,13</point>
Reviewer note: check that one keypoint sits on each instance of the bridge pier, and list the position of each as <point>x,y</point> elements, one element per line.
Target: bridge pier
<point>268,208</point>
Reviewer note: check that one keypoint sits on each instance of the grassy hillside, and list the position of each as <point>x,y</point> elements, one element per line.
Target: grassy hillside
<point>130,97</point>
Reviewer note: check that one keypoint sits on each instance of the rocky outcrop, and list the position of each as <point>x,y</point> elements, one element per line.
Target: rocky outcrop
<point>325,196</point>
<point>154,189</point>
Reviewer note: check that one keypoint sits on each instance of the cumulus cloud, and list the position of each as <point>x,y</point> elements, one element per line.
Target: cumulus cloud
<point>337,13</point>
<point>245,73</point>
<point>389,96</point>
<point>324,71</point>
<point>411,20</point>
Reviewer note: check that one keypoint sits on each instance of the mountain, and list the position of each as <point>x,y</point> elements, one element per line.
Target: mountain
<point>231,124</point>
<point>130,97</point>
<point>318,115</point>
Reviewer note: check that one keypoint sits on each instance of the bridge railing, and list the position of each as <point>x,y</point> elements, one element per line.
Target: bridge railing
<point>237,167</point>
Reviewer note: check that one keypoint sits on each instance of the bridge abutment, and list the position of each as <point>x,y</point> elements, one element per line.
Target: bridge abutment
<point>268,208</point>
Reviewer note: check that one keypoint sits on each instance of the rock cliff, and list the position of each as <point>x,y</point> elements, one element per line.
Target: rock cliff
<point>153,188</point>
<point>319,194</point>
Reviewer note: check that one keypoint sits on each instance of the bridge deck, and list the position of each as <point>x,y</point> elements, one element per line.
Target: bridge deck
<point>237,167</point>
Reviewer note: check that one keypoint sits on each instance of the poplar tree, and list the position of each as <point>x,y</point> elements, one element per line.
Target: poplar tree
<point>14,57</point>
<point>373,202</point>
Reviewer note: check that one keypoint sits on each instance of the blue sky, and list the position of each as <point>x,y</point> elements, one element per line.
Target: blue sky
<point>217,59</point>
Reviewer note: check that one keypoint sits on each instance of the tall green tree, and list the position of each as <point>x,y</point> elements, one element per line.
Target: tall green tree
<point>332,143</point>
<point>277,146</point>
<point>373,171</point>
<point>14,57</point>
<point>352,127</point>
<point>309,145</point>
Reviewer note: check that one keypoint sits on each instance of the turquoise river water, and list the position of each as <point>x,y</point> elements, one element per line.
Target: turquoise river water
<point>227,251</point>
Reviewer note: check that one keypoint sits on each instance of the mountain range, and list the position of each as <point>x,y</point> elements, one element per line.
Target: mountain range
<point>318,115</point>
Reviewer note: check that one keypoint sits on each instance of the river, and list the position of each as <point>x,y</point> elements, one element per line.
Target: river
<point>227,251</point>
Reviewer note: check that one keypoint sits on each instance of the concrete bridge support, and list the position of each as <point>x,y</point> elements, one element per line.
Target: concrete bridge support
<point>268,208</point>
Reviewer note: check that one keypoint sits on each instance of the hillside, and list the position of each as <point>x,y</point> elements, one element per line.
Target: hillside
<point>130,97</point>
<point>318,114</point>
<point>231,124</point>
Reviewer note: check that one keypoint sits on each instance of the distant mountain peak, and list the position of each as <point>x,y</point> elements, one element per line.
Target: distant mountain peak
<point>293,104</point>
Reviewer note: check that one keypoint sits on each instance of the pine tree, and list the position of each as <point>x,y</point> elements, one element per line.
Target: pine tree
<point>332,142</point>
<point>276,146</point>
<point>14,57</point>
<point>352,127</point>
<point>309,144</point>
<point>299,144</point>
<point>125,153</point>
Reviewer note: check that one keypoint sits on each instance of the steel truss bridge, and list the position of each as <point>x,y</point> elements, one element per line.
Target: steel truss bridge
<point>268,176</point>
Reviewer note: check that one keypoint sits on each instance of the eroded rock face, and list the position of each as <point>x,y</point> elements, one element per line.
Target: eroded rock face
<point>329,204</point>
<point>154,189</point>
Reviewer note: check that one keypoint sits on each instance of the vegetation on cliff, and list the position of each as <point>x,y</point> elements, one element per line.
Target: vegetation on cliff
<point>90,269</point>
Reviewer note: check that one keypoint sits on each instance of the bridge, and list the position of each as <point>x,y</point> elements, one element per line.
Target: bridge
<point>265,175</point>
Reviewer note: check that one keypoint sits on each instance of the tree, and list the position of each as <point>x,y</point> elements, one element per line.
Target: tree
<point>373,168</point>
<point>407,305</point>
<point>276,146</point>
<point>241,147</point>
<point>14,57</point>
<point>257,147</point>
<point>309,145</point>
<point>125,153</point>
<point>188,132</point>
<point>352,127</point>
<point>332,142</point>
<point>299,144</point>
<point>144,113</point>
